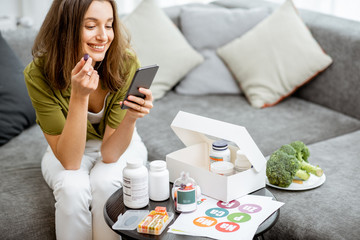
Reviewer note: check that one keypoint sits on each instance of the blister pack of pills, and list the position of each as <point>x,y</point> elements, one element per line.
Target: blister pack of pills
<point>130,219</point>
<point>155,222</point>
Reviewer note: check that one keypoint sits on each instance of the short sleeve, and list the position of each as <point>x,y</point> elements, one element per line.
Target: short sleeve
<point>116,114</point>
<point>49,114</point>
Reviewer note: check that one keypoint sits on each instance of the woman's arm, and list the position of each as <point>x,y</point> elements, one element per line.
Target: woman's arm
<point>116,141</point>
<point>69,146</point>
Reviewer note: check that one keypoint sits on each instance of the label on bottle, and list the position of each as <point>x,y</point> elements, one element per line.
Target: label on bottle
<point>216,159</point>
<point>185,201</point>
<point>136,190</point>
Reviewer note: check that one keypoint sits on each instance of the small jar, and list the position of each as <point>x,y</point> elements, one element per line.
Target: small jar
<point>242,163</point>
<point>222,168</point>
<point>158,181</point>
<point>184,192</point>
<point>135,184</point>
<point>219,152</point>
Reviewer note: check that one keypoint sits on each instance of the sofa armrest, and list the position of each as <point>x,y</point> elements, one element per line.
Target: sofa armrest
<point>338,86</point>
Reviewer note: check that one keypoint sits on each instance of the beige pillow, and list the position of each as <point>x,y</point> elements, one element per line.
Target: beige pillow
<point>275,57</point>
<point>156,40</point>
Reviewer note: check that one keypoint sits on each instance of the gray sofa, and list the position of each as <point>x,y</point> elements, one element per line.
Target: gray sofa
<point>324,114</point>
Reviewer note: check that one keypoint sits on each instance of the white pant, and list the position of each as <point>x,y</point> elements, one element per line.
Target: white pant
<point>80,195</point>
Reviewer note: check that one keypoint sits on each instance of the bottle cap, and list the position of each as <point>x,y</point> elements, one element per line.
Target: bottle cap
<point>242,162</point>
<point>157,165</point>
<point>133,163</point>
<point>184,175</point>
<point>220,145</point>
<point>240,152</point>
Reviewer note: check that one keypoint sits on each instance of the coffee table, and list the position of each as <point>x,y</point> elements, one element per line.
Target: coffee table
<point>115,205</point>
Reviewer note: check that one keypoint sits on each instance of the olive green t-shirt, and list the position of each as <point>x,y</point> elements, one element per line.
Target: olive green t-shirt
<point>52,105</point>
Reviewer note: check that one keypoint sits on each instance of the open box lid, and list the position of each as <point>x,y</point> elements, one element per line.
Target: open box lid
<point>191,129</point>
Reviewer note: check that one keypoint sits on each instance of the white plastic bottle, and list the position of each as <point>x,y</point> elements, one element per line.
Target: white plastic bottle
<point>158,181</point>
<point>219,152</point>
<point>222,168</point>
<point>135,184</point>
<point>242,162</point>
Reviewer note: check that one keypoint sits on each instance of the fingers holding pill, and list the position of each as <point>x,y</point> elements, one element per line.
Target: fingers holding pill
<point>84,79</point>
<point>94,80</point>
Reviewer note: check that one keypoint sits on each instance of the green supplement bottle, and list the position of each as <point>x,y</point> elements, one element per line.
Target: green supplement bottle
<point>184,193</point>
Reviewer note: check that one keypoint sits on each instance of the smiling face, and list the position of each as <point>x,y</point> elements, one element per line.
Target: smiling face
<point>97,33</point>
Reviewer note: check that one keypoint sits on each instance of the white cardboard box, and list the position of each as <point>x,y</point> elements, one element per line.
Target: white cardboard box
<point>198,133</point>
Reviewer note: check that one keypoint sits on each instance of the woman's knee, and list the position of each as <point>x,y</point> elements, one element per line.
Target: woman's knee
<point>73,192</point>
<point>105,178</point>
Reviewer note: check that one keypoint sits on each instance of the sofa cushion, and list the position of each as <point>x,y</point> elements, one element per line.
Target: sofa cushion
<point>16,111</point>
<point>156,40</point>
<point>21,42</point>
<point>307,214</point>
<point>290,120</point>
<point>207,29</point>
<point>174,11</point>
<point>26,202</point>
<point>286,57</point>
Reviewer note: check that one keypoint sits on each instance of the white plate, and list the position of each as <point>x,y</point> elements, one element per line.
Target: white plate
<point>312,182</point>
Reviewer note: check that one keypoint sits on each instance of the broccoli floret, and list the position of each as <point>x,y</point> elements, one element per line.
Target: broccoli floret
<point>281,169</point>
<point>302,150</point>
<point>302,154</point>
<point>288,149</point>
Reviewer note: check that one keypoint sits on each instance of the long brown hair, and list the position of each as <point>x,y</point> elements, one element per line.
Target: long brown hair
<point>59,44</point>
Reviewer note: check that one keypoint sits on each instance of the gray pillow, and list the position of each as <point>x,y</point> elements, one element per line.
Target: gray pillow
<point>157,40</point>
<point>207,29</point>
<point>16,111</point>
<point>21,41</point>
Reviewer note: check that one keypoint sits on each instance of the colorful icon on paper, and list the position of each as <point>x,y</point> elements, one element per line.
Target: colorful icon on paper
<point>227,227</point>
<point>250,208</point>
<point>239,217</point>
<point>217,212</point>
<point>205,221</point>
<point>228,205</point>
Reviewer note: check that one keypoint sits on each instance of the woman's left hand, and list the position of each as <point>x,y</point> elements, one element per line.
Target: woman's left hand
<point>139,107</point>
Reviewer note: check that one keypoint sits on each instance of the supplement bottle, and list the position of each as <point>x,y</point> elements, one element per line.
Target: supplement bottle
<point>242,163</point>
<point>158,181</point>
<point>135,184</point>
<point>222,168</point>
<point>219,152</point>
<point>184,192</point>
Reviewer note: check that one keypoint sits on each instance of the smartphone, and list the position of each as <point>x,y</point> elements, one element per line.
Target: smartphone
<point>143,78</point>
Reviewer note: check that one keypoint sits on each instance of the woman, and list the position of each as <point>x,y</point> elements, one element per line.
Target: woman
<point>77,103</point>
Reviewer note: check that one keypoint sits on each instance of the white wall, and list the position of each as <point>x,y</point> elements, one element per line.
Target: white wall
<point>33,12</point>
<point>8,13</point>
<point>8,6</point>
<point>349,9</point>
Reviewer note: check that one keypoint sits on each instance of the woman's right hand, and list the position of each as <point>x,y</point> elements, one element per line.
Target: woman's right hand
<point>69,146</point>
<point>84,79</point>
